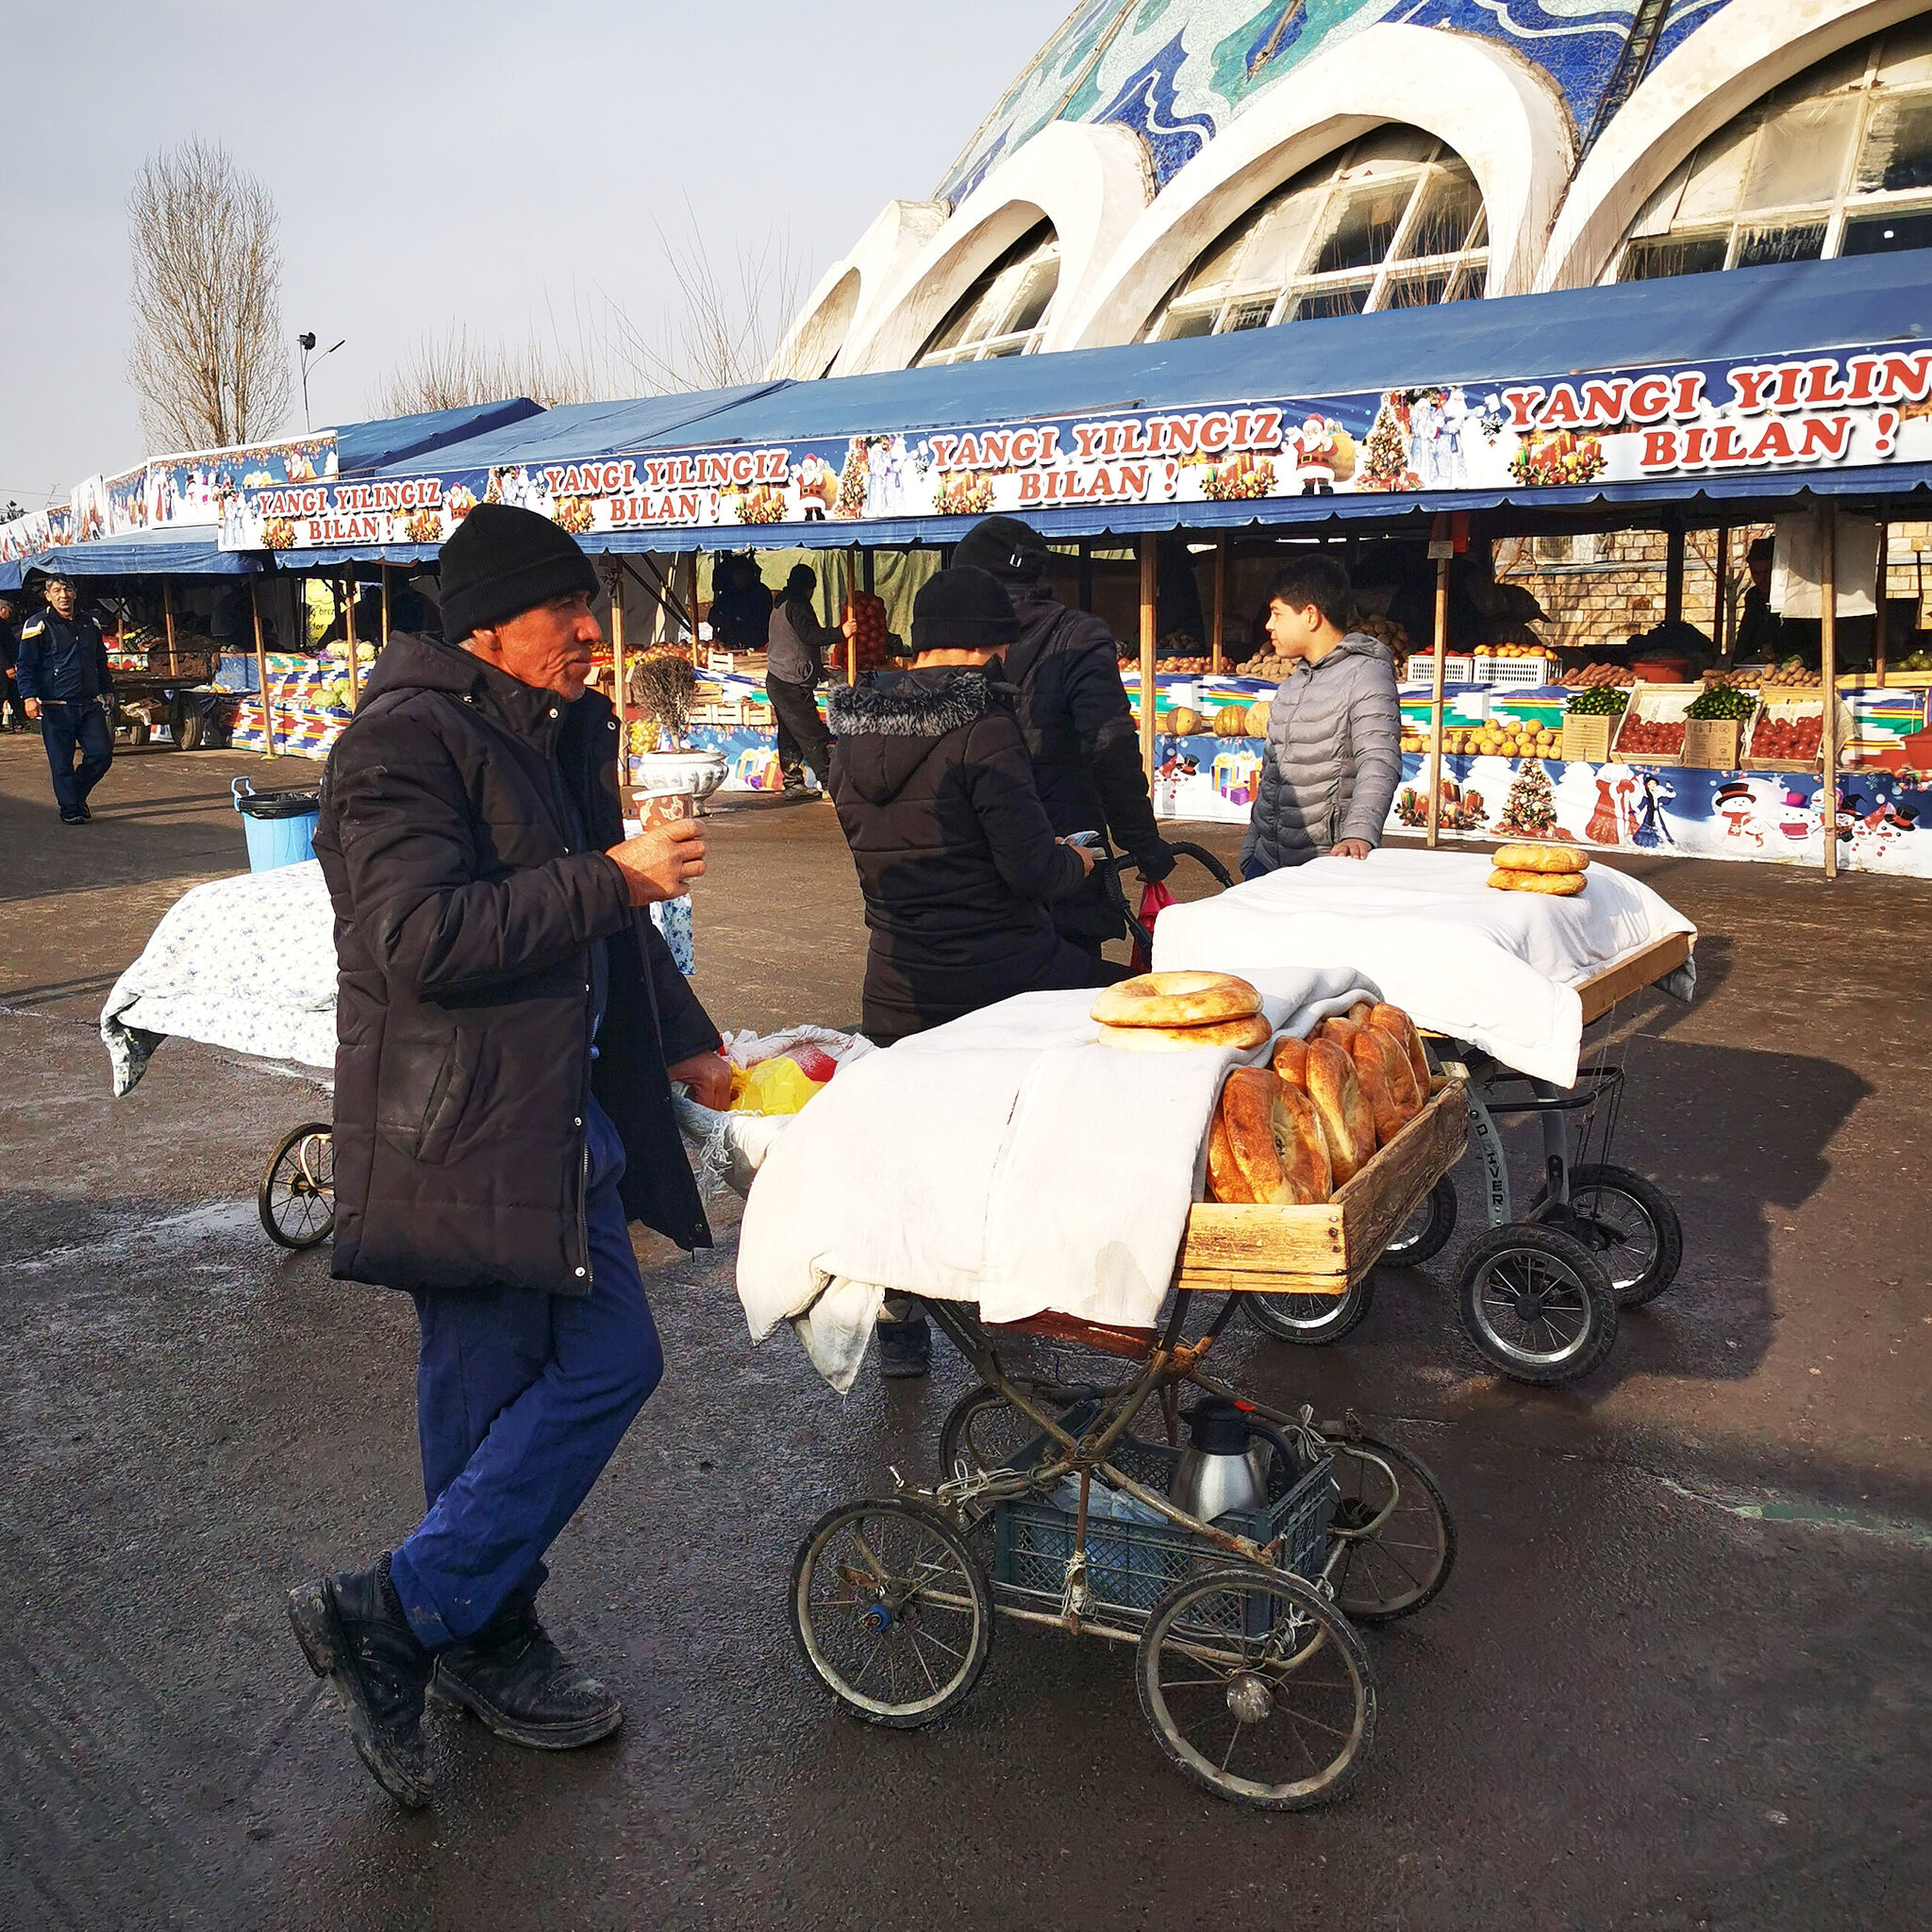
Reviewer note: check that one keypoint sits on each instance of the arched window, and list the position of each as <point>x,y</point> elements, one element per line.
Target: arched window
<point>1838,161</point>
<point>1394,219</point>
<point>1003,312</point>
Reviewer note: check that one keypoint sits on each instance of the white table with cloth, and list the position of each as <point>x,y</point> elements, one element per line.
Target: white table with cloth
<point>1498,970</point>
<point>249,963</point>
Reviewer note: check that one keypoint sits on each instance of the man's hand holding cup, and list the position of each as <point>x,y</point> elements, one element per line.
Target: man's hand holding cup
<point>661,862</point>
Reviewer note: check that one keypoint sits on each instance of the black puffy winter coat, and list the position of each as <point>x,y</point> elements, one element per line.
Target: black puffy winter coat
<point>464,823</point>
<point>1086,753</point>
<point>954,852</point>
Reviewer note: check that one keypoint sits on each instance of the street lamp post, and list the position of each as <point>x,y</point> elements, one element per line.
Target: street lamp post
<point>305,342</point>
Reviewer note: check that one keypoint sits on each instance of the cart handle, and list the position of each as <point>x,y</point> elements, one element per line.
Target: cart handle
<point>1110,866</point>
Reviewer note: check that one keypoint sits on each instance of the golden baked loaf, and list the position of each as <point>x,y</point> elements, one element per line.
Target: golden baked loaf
<point>1348,1125</point>
<point>1266,1143</point>
<point>1383,1069</point>
<point>1558,858</point>
<point>1401,1028</point>
<point>1560,885</point>
<point>1244,1034</point>
<point>1341,1031</point>
<point>1291,1061</point>
<point>1362,1012</point>
<point>1175,999</point>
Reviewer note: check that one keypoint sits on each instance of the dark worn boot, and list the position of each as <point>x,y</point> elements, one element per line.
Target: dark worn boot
<point>353,1631</point>
<point>523,1688</point>
<point>906,1348</point>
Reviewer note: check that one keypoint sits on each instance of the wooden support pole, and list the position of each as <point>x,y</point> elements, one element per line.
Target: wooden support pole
<point>851,604</point>
<point>168,621</point>
<point>1674,575</point>
<point>268,716</point>
<point>384,569</point>
<point>1878,605</point>
<point>1720,603</point>
<point>349,643</point>
<point>1436,689</point>
<point>1220,619</point>
<point>619,695</point>
<point>1150,592</point>
<point>1827,664</point>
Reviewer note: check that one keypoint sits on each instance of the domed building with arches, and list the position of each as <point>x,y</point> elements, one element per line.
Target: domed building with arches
<point>1165,169</point>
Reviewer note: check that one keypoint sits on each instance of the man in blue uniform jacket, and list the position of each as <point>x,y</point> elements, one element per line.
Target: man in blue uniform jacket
<point>65,683</point>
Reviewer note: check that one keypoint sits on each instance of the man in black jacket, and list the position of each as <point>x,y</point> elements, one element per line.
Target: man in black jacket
<point>508,1024</point>
<point>65,683</point>
<point>1078,725</point>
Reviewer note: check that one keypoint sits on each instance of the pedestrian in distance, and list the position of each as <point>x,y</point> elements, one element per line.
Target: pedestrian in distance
<point>11,717</point>
<point>66,685</point>
<point>1078,726</point>
<point>509,1022</point>
<point>956,858</point>
<point>795,647</point>
<point>1333,758</point>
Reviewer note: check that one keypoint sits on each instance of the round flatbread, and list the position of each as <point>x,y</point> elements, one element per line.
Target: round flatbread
<point>1266,1146</point>
<point>1175,999</point>
<point>1242,1034</point>
<point>1556,859</point>
<point>1558,885</point>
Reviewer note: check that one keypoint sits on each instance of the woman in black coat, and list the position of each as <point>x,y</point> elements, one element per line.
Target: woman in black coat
<point>956,856</point>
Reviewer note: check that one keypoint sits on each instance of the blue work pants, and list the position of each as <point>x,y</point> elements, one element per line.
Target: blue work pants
<point>521,1400</point>
<point>80,726</point>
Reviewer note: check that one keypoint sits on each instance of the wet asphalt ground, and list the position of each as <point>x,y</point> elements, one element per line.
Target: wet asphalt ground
<point>1679,1677</point>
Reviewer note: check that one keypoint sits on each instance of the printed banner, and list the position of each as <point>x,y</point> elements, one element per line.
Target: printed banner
<point>1846,410</point>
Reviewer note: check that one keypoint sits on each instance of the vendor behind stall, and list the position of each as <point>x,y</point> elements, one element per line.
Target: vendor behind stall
<point>797,643</point>
<point>1759,640</point>
<point>956,858</point>
<point>1334,728</point>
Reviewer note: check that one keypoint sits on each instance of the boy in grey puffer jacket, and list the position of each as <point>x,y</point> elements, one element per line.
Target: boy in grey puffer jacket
<point>1334,753</point>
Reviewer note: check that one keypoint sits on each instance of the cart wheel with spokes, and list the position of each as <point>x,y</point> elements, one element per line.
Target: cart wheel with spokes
<point>1257,1687</point>
<point>1536,1302</point>
<point>982,1429</point>
<point>1628,1223</point>
<point>1396,1538</point>
<point>892,1611</point>
<point>1313,1320</point>
<point>297,1196</point>
<point>1426,1232</point>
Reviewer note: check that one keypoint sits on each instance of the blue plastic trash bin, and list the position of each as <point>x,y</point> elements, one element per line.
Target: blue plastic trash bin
<point>280,826</point>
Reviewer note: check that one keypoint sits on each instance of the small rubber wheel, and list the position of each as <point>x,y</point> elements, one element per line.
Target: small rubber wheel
<point>1426,1232</point>
<point>1628,1223</point>
<point>1536,1302</point>
<point>1257,1688</point>
<point>1398,1538</point>
<point>190,727</point>
<point>892,1610</point>
<point>1312,1319</point>
<point>138,733</point>
<point>297,1196</point>
<point>982,1429</point>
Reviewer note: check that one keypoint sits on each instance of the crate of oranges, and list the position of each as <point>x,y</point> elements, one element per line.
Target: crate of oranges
<point>1501,737</point>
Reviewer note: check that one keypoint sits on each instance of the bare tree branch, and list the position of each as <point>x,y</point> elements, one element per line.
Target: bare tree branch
<point>722,327</point>
<point>208,362</point>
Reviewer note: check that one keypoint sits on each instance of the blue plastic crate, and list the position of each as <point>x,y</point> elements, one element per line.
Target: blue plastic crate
<point>1131,1565</point>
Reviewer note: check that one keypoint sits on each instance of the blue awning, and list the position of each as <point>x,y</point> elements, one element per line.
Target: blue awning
<point>1754,313</point>
<point>167,552</point>
<point>361,447</point>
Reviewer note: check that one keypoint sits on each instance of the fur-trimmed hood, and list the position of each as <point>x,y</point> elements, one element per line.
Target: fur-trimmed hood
<point>888,728</point>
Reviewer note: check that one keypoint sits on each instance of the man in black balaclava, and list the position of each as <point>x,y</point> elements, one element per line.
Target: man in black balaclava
<point>1078,725</point>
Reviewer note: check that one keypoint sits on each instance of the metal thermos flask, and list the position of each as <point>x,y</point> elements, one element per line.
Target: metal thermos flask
<point>1224,1466</point>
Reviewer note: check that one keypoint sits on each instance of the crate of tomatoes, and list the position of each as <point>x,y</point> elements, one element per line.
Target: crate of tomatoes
<point>1789,734</point>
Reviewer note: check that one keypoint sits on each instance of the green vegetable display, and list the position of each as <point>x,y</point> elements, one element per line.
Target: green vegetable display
<point>1599,700</point>
<point>1723,701</point>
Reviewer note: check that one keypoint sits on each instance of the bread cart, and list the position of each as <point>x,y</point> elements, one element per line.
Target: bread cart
<point>1539,1291</point>
<point>1053,1509</point>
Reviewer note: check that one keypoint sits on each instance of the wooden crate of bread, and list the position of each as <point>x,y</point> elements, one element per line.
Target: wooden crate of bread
<point>1321,1250</point>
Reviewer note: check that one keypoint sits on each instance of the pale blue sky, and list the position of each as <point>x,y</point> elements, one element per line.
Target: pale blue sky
<point>483,162</point>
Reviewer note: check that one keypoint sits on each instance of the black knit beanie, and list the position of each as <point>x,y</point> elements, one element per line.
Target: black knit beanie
<point>502,561</point>
<point>963,609</point>
<point>1006,547</point>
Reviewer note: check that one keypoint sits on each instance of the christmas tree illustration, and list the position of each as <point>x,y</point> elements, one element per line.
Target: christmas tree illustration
<point>1530,809</point>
